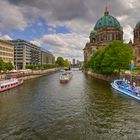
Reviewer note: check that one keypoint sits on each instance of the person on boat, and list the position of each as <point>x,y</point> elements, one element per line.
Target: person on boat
<point>134,84</point>
<point>124,79</point>
<point>124,84</point>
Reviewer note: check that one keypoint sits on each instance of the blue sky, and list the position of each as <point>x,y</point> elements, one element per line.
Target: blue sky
<point>63,26</point>
<point>36,29</point>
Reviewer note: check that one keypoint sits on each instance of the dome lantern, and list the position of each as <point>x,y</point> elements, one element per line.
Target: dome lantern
<point>106,13</point>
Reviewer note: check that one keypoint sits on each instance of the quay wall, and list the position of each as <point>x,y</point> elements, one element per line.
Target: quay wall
<point>25,75</point>
<point>108,78</point>
<point>112,77</point>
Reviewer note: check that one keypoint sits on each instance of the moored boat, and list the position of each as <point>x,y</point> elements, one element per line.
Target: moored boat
<point>126,88</point>
<point>65,77</point>
<point>10,83</point>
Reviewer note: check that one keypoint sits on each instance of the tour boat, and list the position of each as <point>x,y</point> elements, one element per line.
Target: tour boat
<point>65,77</point>
<point>126,88</point>
<point>10,83</point>
<point>62,70</point>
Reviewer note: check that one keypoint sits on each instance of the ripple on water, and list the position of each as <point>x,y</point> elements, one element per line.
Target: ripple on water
<point>83,109</point>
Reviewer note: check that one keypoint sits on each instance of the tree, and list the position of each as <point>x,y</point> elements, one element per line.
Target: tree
<point>9,66</point>
<point>96,60</point>
<point>60,61</point>
<point>118,55</point>
<point>114,57</point>
<point>2,65</point>
<point>66,63</point>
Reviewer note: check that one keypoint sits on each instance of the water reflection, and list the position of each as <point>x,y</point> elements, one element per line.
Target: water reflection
<point>83,109</point>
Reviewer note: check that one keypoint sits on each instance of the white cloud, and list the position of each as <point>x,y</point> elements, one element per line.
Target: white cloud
<point>36,42</point>
<point>11,16</point>
<point>5,37</point>
<point>67,45</point>
<point>128,33</point>
<point>79,16</point>
<point>51,30</point>
<point>122,18</point>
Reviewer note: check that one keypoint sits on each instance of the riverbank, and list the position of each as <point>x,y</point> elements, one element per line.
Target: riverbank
<point>29,74</point>
<point>112,77</point>
<point>108,78</point>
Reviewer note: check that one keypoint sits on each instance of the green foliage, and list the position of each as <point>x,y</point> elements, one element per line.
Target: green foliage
<point>9,66</point>
<point>113,58</point>
<point>62,63</point>
<point>2,65</point>
<point>39,66</point>
<point>66,63</point>
<point>5,66</point>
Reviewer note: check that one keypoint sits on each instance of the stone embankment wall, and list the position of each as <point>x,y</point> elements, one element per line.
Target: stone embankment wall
<point>25,75</point>
<point>102,77</point>
<point>134,78</point>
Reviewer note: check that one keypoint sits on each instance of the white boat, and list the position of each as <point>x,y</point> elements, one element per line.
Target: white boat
<point>62,70</point>
<point>65,76</point>
<point>126,88</point>
<point>10,83</point>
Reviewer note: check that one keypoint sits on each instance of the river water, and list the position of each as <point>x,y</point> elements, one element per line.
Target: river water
<point>83,109</point>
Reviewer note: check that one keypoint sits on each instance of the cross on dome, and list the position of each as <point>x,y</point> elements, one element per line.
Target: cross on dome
<point>106,9</point>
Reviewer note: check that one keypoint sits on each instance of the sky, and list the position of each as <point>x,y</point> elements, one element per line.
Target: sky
<point>63,26</point>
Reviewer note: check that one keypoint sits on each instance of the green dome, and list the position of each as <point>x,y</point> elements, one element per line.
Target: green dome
<point>138,25</point>
<point>107,21</point>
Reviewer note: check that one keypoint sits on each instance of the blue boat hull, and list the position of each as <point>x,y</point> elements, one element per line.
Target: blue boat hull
<point>125,91</point>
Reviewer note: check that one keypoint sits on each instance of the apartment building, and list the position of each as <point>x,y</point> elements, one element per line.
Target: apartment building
<point>47,57</point>
<point>6,51</point>
<point>28,53</point>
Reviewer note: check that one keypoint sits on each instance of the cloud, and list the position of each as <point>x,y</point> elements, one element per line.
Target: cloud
<point>67,45</point>
<point>79,16</point>
<point>5,37</point>
<point>128,33</point>
<point>11,17</point>
<point>36,42</point>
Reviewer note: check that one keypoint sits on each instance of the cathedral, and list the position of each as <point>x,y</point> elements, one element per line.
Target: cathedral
<point>107,29</point>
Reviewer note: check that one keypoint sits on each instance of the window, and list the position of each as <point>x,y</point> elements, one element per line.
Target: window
<point>110,36</point>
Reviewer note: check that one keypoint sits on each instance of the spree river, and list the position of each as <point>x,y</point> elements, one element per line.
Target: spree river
<point>83,109</point>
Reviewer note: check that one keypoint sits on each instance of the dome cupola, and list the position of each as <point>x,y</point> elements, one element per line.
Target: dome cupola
<point>107,21</point>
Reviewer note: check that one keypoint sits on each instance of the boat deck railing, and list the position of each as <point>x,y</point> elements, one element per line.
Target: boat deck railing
<point>129,88</point>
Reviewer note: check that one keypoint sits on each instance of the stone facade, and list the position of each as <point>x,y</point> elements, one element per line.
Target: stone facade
<point>105,31</point>
<point>136,44</point>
